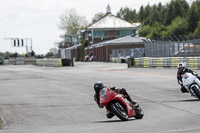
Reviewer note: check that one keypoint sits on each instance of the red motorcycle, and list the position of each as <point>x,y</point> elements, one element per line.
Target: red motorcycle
<point>119,105</point>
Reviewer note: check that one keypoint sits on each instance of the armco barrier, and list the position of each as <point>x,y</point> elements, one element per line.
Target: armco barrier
<point>12,61</point>
<point>146,62</point>
<point>166,62</point>
<point>175,61</point>
<point>30,60</point>
<point>49,62</point>
<point>159,62</point>
<point>193,62</point>
<point>19,61</point>
<point>136,62</point>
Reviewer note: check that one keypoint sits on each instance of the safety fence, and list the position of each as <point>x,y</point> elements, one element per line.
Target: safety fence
<point>173,48</point>
<point>20,61</point>
<point>55,62</point>
<point>118,60</point>
<point>49,62</point>
<point>166,62</point>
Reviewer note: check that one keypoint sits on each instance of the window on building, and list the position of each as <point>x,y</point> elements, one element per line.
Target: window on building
<point>68,39</point>
<point>117,33</point>
<point>126,33</point>
<point>98,34</point>
<point>74,39</point>
<point>106,35</point>
<point>86,35</point>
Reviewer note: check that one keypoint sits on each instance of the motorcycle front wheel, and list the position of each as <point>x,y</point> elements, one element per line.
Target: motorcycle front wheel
<point>139,113</point>
<point>119,111</point>
<point>196,91</point>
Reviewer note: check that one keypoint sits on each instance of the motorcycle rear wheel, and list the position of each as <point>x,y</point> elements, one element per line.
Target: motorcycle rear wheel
<point>121,114</point>
<point>196,91</point>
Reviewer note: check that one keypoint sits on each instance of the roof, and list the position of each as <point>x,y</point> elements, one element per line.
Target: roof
<point>119,41</point>
<point>111,21</point>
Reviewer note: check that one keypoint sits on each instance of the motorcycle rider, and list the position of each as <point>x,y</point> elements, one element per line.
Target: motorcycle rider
<point>181,70</point>
<point>99,85</point>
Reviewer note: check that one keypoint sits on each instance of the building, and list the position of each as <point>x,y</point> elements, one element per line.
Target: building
<point>71,40</point>
<point>123,47</point>
<point>107,28</point>
<point>109,37</point>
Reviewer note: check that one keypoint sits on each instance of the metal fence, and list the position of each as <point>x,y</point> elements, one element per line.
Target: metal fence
<point>173,48</point>
<point>136,52</point>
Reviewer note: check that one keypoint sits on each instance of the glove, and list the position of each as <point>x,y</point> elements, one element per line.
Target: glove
<point>100,106</point>
<point>180,83</point>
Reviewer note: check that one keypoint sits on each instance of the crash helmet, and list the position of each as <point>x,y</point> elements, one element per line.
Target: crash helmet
<point>181,67</point>
<point>98,86</point>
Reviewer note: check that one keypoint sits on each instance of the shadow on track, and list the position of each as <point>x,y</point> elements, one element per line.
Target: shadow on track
<point>189,100</point>
<point>112,121</point>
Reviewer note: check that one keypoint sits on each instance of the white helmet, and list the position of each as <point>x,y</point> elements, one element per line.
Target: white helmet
<point>181,66</point>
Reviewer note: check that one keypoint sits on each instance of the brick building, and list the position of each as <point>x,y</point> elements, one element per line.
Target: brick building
<point>110,37</point>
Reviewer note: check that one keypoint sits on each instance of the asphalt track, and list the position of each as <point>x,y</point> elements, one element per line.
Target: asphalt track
<point>60,100</point>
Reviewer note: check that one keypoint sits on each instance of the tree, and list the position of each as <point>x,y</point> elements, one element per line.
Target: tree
<point>97,16</point>
<point>197,30</point>
<point>128,14</point>
<point>145,30</point>
<point>82,49</point>
<point>178,26</point>
<point>156,30</point>
<point>71,22</point>
<point>176,8</point>
<point>141,14</point>
<point>194,15</point>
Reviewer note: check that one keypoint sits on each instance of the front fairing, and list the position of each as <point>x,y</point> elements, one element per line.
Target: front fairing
<point>106,96</point>
<point>188,79</point>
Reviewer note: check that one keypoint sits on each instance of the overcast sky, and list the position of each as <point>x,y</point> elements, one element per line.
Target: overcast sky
<point>39,19</point>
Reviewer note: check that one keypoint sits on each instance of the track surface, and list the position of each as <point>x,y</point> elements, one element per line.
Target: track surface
<point>60,100</point>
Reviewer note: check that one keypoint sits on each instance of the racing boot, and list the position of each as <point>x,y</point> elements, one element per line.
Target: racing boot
<point>109,115</point>
<point>133,102</point>
<point>183,90</point>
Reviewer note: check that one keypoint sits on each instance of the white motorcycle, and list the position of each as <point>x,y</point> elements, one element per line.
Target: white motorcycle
<point>192,84</point>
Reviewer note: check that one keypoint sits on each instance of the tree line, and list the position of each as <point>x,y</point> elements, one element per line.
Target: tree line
<point>176,18</point>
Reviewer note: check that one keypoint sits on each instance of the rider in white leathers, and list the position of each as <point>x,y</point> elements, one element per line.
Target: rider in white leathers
<point>181,70</point>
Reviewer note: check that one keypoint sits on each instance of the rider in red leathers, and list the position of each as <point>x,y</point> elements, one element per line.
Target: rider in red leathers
<point>99,85</point>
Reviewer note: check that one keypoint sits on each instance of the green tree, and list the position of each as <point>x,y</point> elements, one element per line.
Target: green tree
<point>144,30</point>
<point>178,26</point>
<point>82,49</point>
<point>71,22</point>
<point>174,9</point>
<point>197,30</point>
<point>97,16</point>
<point>141,14</point>
<point>128,14</point>
<point>156,30</point>
<point>194,15</point>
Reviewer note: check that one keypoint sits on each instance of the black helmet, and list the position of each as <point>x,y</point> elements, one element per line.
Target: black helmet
<point>98,86</point>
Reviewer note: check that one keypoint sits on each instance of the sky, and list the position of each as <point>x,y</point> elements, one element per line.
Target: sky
<point>39,19</point>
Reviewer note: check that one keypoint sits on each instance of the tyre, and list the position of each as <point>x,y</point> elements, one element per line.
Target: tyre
<point>139,113</point>
<point>196,91</point>
<point>119,111</point>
